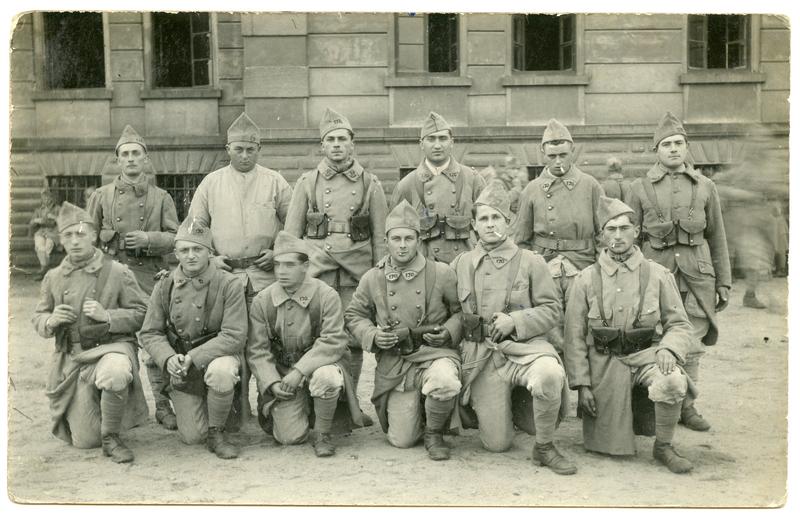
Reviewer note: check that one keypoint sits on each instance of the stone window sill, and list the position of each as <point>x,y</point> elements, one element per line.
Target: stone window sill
<point>173,93</point>
<point>722,77</point>
<point>72,94</point>
<point>427,81</point>
<point>532,79</point>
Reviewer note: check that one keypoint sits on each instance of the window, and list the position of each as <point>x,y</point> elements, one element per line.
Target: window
<point>74,52</point>
<point>544,42</point>
<point>534,171</point>
<point>181,50</point>
<point>405,170</point>
<point>718,41</point>
<point>181,188</point>
<point>427,43</point>
<point>72,188</point>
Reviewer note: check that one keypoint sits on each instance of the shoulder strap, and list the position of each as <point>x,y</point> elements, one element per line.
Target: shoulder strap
<point>311,187</point>
<point>315,316</point>
<point>384,294</point>
<point>102,278</point>
<point>460,179</point>
<point>644,279</point>
<point>514,265</point>
<point>430,283</point>
<point>420,188</point>
<point>650,191</point>
<point>597,285</point>
<point>211,298</point>
<point>166,292</point>
<point>694,198</point>
<point>364,207</point>
<point>473,300</point>
<point>272,315</point>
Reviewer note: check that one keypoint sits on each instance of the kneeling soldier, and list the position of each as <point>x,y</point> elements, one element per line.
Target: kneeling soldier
<point>406,310</point>
<point>626,326</point>
<point>93,306</point>
<point>297,348</point>
<point>195,329</point>
<point>509,302</point>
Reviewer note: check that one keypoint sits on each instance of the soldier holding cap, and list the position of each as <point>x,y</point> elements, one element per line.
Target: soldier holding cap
<point>93,307</point>
<point>637,334</point>
<point>679,212</point>
<point>406,311</point>
<point>137,222</point>
<point>195,329</point>
<point>509,303</point>
<point>297,350</point>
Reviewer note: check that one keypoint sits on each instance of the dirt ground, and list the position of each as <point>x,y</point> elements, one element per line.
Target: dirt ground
<point>740,462</point>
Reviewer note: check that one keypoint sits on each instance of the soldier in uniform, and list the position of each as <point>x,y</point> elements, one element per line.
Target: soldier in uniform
<point>93,307</point>
<point>195,329</point>
<point>297,348</point>
<point>615,185</point>
<point>557,214</point>
<point>406,311</point>
<point>45,233</point>
<point>509,303</point>
<point>682,229</point>
<point>340,209</point>
<point>442,191</point>
<point>636,333</point>
<point>137,223</point>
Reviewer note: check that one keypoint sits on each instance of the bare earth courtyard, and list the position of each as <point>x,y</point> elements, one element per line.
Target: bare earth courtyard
<point>740,462</point>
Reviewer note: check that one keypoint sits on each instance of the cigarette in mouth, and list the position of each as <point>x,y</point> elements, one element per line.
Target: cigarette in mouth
<point>498,234</point>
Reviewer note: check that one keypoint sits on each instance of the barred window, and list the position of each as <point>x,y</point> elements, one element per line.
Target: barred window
<point>427,43</point>
<point>181,188</point>
<point>72,188</point>
<point>534,171</point>
<point>181,49</point>
<point>718,41</point>
<point>544,42</point>
<point>74,51</point>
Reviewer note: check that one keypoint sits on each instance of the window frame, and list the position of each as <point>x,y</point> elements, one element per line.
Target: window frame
<point>747,41</point>
<point>460,67</point>
<point>517,21</point>
<point>58,191</point>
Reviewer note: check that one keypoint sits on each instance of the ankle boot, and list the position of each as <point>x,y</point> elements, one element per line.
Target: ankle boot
<point>217,444</point>
<point>547,454</point>
<point>323,446</point>
<point>693,421</point>
<point>165,415</point>
<point>434,443</point>
<point>752,302</point>
<point>114,447</point>
<point>667,455</point>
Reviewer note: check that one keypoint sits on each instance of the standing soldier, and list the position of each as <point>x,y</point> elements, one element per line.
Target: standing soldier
<point>509,303</point>
<point>340,209</point>
<point>615,185</point>
<point>682,229</point>
<point>442,191</point>
<point>244,204</point>
<point>93,306</point>
<point>45,233</point>
<point>137,223</point>
<point>557,215</point>
<point>637,334</point>
<point>406,311</point>
<point>195,328</point>
<point>297,348</point>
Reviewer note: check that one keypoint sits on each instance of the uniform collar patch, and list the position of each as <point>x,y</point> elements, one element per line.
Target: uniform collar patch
<point>301,297</point>
<point>570,178</point>
<point>353,173</point>
<point>93,265</point>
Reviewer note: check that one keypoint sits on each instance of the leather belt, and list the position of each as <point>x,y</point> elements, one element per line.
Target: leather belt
<point>552,243</point>
<point>338,227</point>
<point>242,262</point>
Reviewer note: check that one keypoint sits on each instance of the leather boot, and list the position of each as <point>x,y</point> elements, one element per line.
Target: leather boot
<point>434,443</point>
<point>323,446</point>
<point>114,447</point>
<point>165,415</point>
<point>692,420</point>
<point>548,455</point>
<point>752,302</point>
<point>366,420</point>
<point>667,455</point>
<point>217,444</point>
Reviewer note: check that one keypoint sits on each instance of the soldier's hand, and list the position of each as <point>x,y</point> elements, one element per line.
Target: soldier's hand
<point>277,391</point>
<point>666,361</point>
<point>502,326</point>
<point>385,340</point>
<point>722,298</point>
<point>219,261</point>
<point>136,239</point>
<point>265,260</point>
<point>439,338</point>
<point>63,314</point>
<point>186,364</point>
<point>292,381</point>
<point>586,401</point>
<point>94,310</point>
<point>175,366</point>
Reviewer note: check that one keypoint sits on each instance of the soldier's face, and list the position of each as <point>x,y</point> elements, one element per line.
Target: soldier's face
<point>131,158</point>
<point>672,151</point>
<point>78,241</point>
<point>437,147</point>
<point>290,271</point>
<point>194,258</point>
<point>402,244</point>
<point>619,234</point>
<point>558,158</point>
<point>244,156</point>
<point>490,224</point>
<point>338,145</point>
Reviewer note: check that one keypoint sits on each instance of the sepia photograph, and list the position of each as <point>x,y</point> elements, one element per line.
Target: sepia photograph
<point>534,258</point>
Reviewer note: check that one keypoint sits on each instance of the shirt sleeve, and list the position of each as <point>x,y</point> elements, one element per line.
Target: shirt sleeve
<point>233,328</point>
<point>161,242</point>
<point>717,242</point>
<point>128,317</point>
<point>153,335</point>
<point>284,199</point>
<point>331,344</point>
<point>44,308</point>
<point>258,349</point>
<point>450,291</point>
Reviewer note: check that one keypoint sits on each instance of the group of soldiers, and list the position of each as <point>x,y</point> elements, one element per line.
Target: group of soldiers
<point>473,323</point>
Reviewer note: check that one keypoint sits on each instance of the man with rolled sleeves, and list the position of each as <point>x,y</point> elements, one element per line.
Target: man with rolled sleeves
<point>244,204</point>
<point>556,216</point>
<point>137,223</point>
<point>443,191</point>
<point>340,209</point>
<point>406,311</point>
<point>93,307</point>
<point>195,329</point>
<point>679,212</point>
<point>297,348</point>
<point>625,326</point>
<point>509,303</point>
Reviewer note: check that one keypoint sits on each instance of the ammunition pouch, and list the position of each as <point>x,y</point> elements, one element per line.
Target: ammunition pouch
<point>360,227</point>
<point>690,232</point>
<point>430,227</point>
<point>285,358</point>
<point>316,225</point>
<point>108,242</point>
<point>92,334</point>
<point>617,342</point>
<point>418,332</point>
<point>456,227</point>
<point>63,339</point>
<point>184,346</point>
<point>661,235</point>
<point>473,327</point>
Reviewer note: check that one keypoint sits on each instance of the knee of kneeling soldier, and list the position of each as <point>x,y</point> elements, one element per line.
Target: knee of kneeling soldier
<point>545,379</point>
<point>326,382</point>
<point>113,372</point>
<point>668,388</point>
<point>222,374</point>
<point>441,381</point>
<point>496,442</point>
<point>191,435</point>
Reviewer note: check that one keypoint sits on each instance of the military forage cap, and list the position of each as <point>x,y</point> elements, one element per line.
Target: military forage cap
<point>403,216</point>
<point>70,214</point>
<point>244,130</point>
<point>287,243</point>
<point>332,120</point>
<point>130,136</point>
<point>668,126</point>
<point>194,232</point>
<point>610,208</point>
<point>496,197</point>
<point>434,123</point>
<point>555,131</point>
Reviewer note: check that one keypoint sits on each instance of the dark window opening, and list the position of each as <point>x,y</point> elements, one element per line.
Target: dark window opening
<point>73,188</point>
<point>427,43</point>
<point>718,41</point>
<point>405,171</point>
<point>181,188</point>
<point>544,42</point>
<point>181,50</point>
<point>534,171</point>
<point>74,51</point>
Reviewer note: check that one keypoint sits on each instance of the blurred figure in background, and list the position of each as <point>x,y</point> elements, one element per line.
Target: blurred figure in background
<point>43,229</point>
<point>615,185</point>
